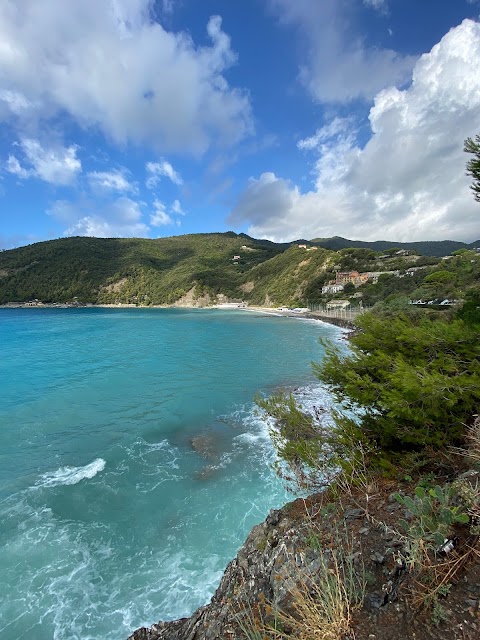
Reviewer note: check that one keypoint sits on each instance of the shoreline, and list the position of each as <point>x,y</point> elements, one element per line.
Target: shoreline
<point>346,325</point>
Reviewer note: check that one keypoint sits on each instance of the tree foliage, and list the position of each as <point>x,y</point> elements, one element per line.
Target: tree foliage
<point>409,381</point>
<point>473,165</point>
<point>413,380</point>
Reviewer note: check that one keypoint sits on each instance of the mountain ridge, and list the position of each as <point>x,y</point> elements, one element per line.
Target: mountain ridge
<point>435,248</point>
<point>203,268</point>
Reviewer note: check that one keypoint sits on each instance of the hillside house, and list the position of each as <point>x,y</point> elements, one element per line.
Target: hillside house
<point>342,277</point>
<point>302,246</point>
<point>332,288</point>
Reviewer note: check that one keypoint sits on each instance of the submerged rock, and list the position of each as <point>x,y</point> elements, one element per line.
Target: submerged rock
<point>206,445</point>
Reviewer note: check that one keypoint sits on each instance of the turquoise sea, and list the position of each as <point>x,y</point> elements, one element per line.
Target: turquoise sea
<point>132,460</point>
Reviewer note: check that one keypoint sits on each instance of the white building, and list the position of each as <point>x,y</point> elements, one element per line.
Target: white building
<point>332,288</point>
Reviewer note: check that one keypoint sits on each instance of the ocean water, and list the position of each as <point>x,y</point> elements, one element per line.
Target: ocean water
<point>132,461</point>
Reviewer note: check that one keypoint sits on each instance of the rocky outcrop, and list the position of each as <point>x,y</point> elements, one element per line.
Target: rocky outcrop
<point>307,539</point>
<point>338,322</point>
<point>263,570</point>
<point>191,299</point>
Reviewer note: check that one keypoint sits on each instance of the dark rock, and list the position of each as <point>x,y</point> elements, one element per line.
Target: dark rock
<point>206,445</point>
<point>353,514</point>
<point>373,601</point>
<point>395,506</point>
<point>377,557</point>
<point>273,517</point>
<point>266,568</point>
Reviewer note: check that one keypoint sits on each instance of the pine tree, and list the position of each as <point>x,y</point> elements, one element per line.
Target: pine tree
<point>473,165</point>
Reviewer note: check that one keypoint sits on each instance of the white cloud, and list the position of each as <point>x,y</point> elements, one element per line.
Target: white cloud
<point>115,180</point>
<point>111,66</point>
<point>340,65</point>
<point>177,208</point>
<point>56,165</point>
<point>14,102</point>
<point>408,182</point>
<point>379,5</point>
<point>334,128</point>
<point>160,217</point>
<point>120,218</point>
<point>14,166</point>
<point>157,170</point>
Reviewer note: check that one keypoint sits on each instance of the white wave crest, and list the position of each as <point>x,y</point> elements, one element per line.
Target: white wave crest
<point>71,475</point>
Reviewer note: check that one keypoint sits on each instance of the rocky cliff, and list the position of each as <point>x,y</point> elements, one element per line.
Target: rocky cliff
<point>349,546</point>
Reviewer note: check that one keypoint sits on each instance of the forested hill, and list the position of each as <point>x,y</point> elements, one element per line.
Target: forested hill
<point>202,269</point>
<point>130,269</point>
<point>437,248</point>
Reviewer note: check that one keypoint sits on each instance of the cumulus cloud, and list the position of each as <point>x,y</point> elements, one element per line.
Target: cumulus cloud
<point>158,170</point>
<point>340,65</point>
<point>56,165</point>
<point>110,65</point>
<point>334,128</point>
<point>177,208</point>
<point>408,182</point>
<point>114,180</point>
<point>160,217</point>
<point>117,219</point>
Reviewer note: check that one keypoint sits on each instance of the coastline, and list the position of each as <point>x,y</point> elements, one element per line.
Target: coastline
<point>341,323</point>
<point>250,450</point>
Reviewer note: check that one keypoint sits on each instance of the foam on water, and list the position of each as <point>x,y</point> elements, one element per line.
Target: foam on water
<point>144,532</point>
<point>71,475</point>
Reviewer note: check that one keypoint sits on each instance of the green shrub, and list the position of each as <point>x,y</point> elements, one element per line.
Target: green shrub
<point>434,513</point>
<point>413,381</point>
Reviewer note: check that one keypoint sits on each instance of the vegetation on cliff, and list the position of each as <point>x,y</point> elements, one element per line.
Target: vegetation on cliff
<point>406,429</point>
<point>428,248</point>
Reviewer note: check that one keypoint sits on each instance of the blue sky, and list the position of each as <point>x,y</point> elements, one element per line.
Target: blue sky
<point>284,119</point>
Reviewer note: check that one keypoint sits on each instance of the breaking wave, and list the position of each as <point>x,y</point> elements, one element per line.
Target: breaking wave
<point>71,475</point>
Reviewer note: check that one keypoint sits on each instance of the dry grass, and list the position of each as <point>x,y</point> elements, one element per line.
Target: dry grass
<point>473,442</point>
<point>320,609</point>
<point>435,578</point>
<point>471,451</point>
<point>320,606</point>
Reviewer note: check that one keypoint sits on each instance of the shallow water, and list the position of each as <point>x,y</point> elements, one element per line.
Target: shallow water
<point>132,460</point>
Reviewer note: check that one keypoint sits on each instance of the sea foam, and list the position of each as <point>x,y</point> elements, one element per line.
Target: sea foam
<point>71,475</point>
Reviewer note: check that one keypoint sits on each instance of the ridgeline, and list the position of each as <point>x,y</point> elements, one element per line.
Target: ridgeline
<point>201,269</point>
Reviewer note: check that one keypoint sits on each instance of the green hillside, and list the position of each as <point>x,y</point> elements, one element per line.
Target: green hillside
<point>130,270</point>
<point>287,278</point>
<point>427,248</point>
<point>201,269</point>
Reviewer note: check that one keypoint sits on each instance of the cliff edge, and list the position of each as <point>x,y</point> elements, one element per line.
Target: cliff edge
<point>337,567</point>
